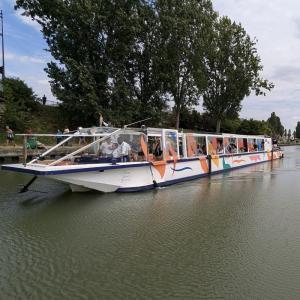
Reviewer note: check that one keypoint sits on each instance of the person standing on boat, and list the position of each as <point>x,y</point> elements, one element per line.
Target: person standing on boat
<point>125,150</point>
<point>106,148</point>
<point>116,154</point>
<point>81,138</point>
<point>157,150</point>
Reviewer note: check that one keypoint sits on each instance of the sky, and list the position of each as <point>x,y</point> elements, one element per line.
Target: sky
<point>275,24</point>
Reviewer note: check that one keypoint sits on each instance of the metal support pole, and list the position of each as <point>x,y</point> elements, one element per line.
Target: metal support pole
<point>2,71</point>
<point>25,150</point>
<point>209,163</point>
<point>272,151</point>
<point>2,38</point>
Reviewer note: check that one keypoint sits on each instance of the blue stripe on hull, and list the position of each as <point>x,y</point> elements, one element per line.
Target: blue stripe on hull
<point>57,172</point>
<point>174,181</point>
<point>110,167</point>
<point>132,189</point>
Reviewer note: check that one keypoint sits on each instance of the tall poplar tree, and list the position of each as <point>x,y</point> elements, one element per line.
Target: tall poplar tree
<point>184,28</point>
<point>298,130</point>
<point>233,71</point>
<point>96,61</point>
<point>275,125</point>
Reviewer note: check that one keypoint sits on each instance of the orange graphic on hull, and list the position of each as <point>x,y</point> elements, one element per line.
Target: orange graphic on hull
<point>215,159</point>
<point>203,164</point>
<point>255,158</point>
<point>160,166</point>
<point>238,161</point>
<point>174,154</point>
<point>144,147</point>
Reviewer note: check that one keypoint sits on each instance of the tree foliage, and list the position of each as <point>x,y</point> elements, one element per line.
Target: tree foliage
<point>297,130</point>
<point>131,59</point>
<point>275,125</point>
<point>183,39</point>
<point>233,71</point>
<point>20,103</point>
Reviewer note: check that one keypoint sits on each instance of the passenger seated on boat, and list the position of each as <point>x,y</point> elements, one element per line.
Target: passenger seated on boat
<point>230,148</point>
<point>134,156</point>
<point>106,148</point>
<point>115,150</point>
<point>180,148</point>
<point>157,150</point>
<point>150,157</point>
<point>219,148</point>
<point>199,150</point>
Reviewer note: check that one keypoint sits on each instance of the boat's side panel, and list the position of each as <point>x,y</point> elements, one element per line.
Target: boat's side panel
<point>174,172</point>
<point>160,174</point>
<point>130,177</point>
<point>108,180</point>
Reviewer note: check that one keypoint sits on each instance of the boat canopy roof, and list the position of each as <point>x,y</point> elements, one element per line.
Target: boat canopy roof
<point>150,131</point>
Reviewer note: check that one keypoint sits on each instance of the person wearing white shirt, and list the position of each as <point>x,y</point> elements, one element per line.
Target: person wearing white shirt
<point>106,148</point>
<point>116,153</point>
<point>124,149</point>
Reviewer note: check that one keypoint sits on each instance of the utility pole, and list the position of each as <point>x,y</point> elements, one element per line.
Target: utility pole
<point>2,71</point>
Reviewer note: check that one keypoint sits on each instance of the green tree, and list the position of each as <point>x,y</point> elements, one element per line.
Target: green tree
<point>230,125</point>
<point>275,125</point>
<point>254,127</point>
<point>184,27</point>
<point>233,71</point>
<point>20,103</point>
<point>285,133</point>
<point>92,44</point>
<point>298,130</point>
<point>145,67</point>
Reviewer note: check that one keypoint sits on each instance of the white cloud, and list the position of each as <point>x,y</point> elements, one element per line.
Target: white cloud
<point>24,58</point>
<point>276,25</point>
<point>27,20</point>
<point>43,82</point>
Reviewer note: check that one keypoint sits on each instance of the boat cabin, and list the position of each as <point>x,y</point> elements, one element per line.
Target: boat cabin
<point>113,145</point>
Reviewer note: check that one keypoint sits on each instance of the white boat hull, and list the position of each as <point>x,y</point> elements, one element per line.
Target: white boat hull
<point>126,177</point>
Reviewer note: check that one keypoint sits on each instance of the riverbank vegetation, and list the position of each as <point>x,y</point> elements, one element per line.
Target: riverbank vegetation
<point>137,59</point>
<point>25,111</point>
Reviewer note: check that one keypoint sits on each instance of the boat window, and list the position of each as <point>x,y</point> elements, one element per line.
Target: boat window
<point>124,147</point>
<point>180,146</point>
<point>260,144</point>
<point>196,145</point>
<point>242,145</point>
<point>215,145</point>
<point>170,144</point>
<point>155,148</point>
<point>252,146</point>
<point>268,144</point>
<point>230,145</point>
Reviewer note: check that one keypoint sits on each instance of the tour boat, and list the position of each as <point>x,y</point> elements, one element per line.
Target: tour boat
<point>126,160</point>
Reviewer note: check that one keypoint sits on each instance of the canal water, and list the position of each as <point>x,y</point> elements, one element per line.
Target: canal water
<point>231,236</point>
